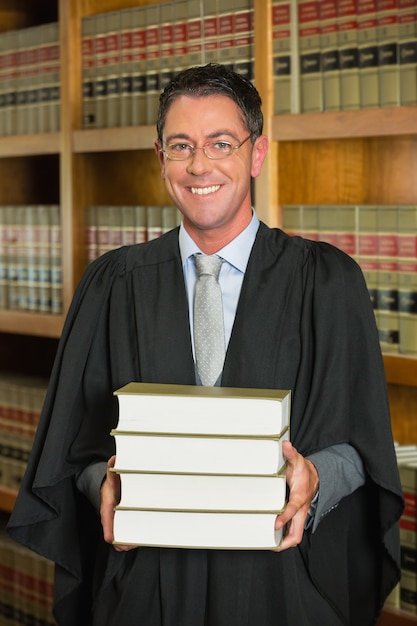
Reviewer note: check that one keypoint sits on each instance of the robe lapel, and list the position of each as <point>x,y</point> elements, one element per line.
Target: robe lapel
<point>161,315</point>
<point>265,333</point>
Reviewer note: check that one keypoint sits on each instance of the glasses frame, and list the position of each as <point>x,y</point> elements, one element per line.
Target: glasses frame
<point>204,149</point>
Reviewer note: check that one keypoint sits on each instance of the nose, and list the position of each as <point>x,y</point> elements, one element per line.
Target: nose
<point>199,163</point>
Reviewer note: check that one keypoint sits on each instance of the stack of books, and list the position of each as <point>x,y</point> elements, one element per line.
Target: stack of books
<point>200,467</point>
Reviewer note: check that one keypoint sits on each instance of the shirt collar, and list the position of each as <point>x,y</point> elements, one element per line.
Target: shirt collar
<point>236,252</point>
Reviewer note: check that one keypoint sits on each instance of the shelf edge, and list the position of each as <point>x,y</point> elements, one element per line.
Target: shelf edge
<point>382,122</point>
<point>111,139</point>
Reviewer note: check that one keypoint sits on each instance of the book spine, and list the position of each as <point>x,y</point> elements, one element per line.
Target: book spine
<point>152,35</point>
<point>32,80</point>
<point>368,54</point>
<point>282,61</point>
<point>330,63</point>
<point>195,32</point>
<point>153,222</point>
<point>166,44</point>
<point>140,223</point>
<point>113,68</point>
<point>348,54</point>
<point>126,67</point>
<point>407,55</point>
<point>88,25</point>
<point>226,33</point>
<point>138,110</point>
<point>55,236</point>
<point>368,250</point>
<point>211,31</point>
<point>100,75</point>
<point>180,35</point>
<point>310,57</point>
<point>244,39</point>
<point>387,28</point>
<point>407,278</point>
<point>388,278</point>
<point>127,225</point>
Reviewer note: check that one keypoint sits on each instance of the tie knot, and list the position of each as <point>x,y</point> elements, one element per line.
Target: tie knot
<point>208,264</point>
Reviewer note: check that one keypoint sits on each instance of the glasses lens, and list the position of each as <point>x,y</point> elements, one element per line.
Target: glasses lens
<point>179,151</point>
<point>218,150</point>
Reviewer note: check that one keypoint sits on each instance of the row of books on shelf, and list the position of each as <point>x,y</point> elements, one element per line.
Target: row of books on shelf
<point>21,400</point>
<point>383,240</point>
<point>197,468</point>
<point>330,55</point>
<point>26,584</point>
<point>128,56</point>
<point>109,227</point>
<point>30,80</point>
<point>404,596</point>
<point>30,258</point>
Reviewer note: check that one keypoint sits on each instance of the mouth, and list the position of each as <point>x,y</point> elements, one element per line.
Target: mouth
<point>204,191</point>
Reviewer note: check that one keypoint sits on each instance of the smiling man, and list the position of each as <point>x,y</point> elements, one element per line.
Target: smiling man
<point>296,316</point>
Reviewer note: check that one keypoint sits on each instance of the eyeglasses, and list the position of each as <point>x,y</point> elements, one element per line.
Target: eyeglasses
<point>213,150</point>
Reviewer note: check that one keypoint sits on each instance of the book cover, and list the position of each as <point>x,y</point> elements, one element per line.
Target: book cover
<point>197,529</point>
<point>199,454</point>
<point>191,492</point>
<point>176,409</point>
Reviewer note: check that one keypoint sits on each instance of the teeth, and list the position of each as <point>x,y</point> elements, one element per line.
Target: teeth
<point>204,191</point>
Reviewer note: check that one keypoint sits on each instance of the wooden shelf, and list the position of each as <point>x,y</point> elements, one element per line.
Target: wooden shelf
<point>7,499</point>
<point>395,617</point>
<point>35,324</point>
<point>114,139</point>
<point>401,369</point>
<point>29,145</point>
<point>385,122</point>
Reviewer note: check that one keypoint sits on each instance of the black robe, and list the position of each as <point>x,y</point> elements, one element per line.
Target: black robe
<point>304,322</point>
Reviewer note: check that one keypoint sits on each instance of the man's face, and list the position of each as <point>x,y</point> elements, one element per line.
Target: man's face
<point>213,195</point>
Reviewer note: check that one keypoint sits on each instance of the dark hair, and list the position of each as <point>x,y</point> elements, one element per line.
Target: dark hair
<point>209,80</point>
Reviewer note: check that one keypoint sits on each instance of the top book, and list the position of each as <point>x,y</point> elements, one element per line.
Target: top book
<point>198,410</point>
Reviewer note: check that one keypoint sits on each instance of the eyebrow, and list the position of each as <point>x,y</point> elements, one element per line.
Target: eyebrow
<point>214,135</point>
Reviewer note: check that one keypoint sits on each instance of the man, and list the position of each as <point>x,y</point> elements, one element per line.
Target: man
<point>296,316</point>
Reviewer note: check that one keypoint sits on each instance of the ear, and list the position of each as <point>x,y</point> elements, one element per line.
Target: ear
<point>161,157</point>
<point>259,152</point>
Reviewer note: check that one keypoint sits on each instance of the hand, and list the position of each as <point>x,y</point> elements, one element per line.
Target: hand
<point>303,481</point>
<point>110,497</point>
